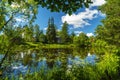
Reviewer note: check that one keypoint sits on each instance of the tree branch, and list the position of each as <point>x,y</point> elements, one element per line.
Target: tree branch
<point>7,21</point>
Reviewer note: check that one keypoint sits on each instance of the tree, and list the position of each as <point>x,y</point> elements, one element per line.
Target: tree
<point>28,8</point>
<point>28,32</point>
<point>9,40</point>
<point>81,40</point>
<point>51,31</point>
<point>67,6</point>
<point>72,37</point>
<point>64,33</point>
<point>17,10</point>
<point>111,24</point>
<point>100,32</point>
<point>42,37</point>
<point>37,33</point>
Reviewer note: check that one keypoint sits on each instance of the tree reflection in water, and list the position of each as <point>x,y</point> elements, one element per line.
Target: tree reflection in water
<point>33,60</point>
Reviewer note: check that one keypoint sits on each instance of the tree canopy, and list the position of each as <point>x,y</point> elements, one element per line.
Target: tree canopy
<point>67,6</point>
<point>64,33</point>
<point>110,30</point>
<point>51,31</point>
<point>16,10</point>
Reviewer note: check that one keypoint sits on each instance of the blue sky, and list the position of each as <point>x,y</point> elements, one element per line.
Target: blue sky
<point>84,20</point>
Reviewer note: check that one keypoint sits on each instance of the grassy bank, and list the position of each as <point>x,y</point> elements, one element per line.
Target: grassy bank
<point>54,46</point>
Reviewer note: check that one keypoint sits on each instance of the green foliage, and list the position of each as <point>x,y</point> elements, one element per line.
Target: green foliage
<point>51,31</point>
<point>37,33</point>
<point>42,37</point>
<point>28,33</point>
<point>100,43</point>
<point>17,9</point>
<point>10,38</point>
<point>110,30</point>
<point>67,6</point>
<point>105,69</point>
<point>72,37</point>
<point>81,40</point>
<point>64,33</point>
<point>100,32</point>
<point>108,67</point>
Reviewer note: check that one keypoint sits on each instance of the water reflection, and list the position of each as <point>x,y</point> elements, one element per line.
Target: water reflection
<point>33,60</point>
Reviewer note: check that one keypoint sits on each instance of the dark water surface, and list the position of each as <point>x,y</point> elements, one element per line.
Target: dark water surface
<point>22,62</point>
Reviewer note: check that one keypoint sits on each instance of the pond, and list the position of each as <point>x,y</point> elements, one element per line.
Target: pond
<point>20,62</point>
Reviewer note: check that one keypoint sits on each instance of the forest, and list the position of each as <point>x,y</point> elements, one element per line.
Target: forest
<point>27,52</point>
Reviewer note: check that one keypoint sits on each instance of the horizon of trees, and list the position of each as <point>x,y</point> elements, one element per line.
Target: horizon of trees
<point>32,33</point>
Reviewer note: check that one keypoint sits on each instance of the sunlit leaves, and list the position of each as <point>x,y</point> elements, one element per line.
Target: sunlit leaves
<point>81,40</point>
<point>22,11</point>
<point>2,21</point>
<point>110,29</point>
<point>109,62</point>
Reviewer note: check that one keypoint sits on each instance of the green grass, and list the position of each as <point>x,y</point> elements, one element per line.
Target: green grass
<point>54,46</point>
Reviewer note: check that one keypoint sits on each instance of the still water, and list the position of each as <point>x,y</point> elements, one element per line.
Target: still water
<point>22,62</point>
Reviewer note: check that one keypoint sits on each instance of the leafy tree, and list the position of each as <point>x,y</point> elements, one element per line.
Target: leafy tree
<point>9,39</point>
<point>64,33</point>
<point>42,37</point>
<point>72,37</point>
<point>67,6</point>
<point>81,40</point>
<point>28,33</point>
<point>37,33</point>
<point>28,8</point>
<point>110,29</point>
<point>100,32</point>
<point>92,40</point>
<point>51,31</point>
<point>17,9</point>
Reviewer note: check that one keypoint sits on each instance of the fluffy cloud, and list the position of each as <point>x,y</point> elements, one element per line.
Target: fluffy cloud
<point>45,28</point>
<point>80,19</point>
<point>19,19</point>
<point>78,32</point>
<point>98,2</point>
<point>90,34</point>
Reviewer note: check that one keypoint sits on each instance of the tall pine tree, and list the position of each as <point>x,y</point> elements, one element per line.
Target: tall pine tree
<point>51,31</point>
<point>64,33</point>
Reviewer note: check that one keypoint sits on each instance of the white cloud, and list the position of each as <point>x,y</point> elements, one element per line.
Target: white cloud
<point>80,19</point>
<point>19,19</point>
<point>78,32</point>
<point>45,28</point>
<point>102,14</point>
<point>98,2</point>
<point>90,34</point>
